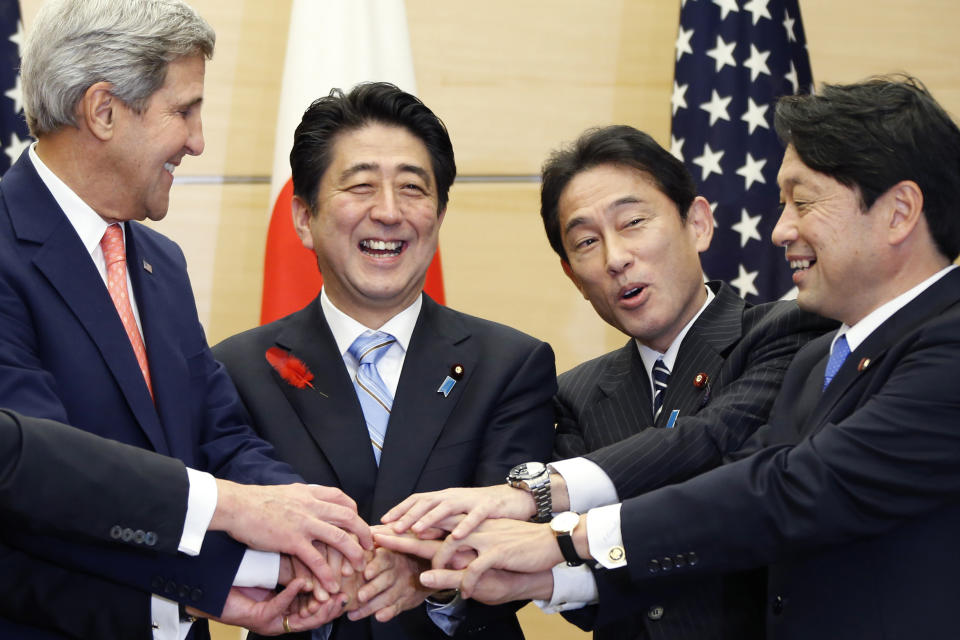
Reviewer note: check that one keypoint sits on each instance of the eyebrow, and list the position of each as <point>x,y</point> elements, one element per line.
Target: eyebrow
<point>372,166</point>
<point>576,222</point>
<point>191,104</point>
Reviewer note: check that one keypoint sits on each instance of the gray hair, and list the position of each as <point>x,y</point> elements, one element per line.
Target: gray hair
<point>74,44</point>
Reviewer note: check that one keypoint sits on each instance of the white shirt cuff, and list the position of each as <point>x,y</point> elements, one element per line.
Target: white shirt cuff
<point>587,484</point>
<point>258,569</point>
<point>604,538</point>
<point>573,588</point>
<point>165,615</point>
<point>201,503</point>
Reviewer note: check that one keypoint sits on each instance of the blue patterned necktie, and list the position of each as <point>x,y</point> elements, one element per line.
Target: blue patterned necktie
<point>375,397</point>
<point>840,352</point>
<point>661,376</point>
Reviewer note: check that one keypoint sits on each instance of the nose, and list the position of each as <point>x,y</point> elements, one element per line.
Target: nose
<point>617,254</point>
<point>195,142</point>
<point>386,209</point>
<point>785,230</point>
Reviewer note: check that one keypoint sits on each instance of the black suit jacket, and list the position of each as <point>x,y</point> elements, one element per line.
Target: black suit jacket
<point>496,416</point>
<point>850,498</point>
<point>604,413</point>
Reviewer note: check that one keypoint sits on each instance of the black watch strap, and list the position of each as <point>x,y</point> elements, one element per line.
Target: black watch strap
<point>569,551</point>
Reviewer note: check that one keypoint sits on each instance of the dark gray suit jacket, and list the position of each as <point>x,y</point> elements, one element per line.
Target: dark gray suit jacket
<point>498,415</point>
<point>604,413</point>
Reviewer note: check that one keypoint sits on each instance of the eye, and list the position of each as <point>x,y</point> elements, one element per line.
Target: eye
<point>413,187</point>
<point>360,188</point>
<point>585,242</point>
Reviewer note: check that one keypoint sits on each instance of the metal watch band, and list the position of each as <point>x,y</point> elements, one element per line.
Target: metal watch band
<point>543,500</point>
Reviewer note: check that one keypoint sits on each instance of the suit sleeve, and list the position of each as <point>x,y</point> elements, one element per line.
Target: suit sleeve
<point>890,459</point>
<point>656,457</point>
<point>35,593</point>
<point>49,472</point>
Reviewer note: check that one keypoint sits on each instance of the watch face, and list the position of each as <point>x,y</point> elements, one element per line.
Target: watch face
<point>565,522</point>
<point>527,470</point>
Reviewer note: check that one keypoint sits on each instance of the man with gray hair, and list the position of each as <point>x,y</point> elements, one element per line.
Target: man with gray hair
<point>99,330</point>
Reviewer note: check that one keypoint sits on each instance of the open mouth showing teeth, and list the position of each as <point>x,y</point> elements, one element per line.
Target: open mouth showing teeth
<point>801,264</point>
<point>381,248</point>
<point>631,293</point>
<point>169,167</point>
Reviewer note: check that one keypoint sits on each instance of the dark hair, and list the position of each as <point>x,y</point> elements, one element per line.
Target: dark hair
<point>619,145</point>
<point>873,134</point>
<point>367,103</point>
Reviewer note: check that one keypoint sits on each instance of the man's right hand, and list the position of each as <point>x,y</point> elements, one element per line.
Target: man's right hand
<point>289,518</point>
<point>423,511</point>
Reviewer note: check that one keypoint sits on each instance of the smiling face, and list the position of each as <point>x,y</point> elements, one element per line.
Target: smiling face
<point>830,241</point>
<point>375,225</point>
<point>631,255</point>
<point>149,145</point>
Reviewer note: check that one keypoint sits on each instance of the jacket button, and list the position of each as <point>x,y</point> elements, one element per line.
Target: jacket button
<point>170,588</point>
<point>150,539</point>
<point>139,535</point>
<point>196,594</point>
<point>157,585</point>
<point>679,561</point>
<point>184,592</point>
<point>692,559</point>
<point>127,534</point>
<point>777,606</point>
<point>655,612</point>
<point>116,531</point>
<point>653,566</point>
<point>666,564</point>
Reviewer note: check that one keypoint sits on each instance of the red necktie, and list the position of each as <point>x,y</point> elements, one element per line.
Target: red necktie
<point>116,258</point>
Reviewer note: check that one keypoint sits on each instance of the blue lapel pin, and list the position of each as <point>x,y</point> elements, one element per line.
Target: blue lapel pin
<point>456,373</point>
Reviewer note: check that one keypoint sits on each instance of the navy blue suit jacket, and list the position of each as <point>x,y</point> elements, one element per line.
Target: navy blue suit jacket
<point>64,355</point>
<point>850,496</point>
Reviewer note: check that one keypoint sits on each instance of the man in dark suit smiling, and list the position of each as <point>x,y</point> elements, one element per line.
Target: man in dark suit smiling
<point>396,393</point>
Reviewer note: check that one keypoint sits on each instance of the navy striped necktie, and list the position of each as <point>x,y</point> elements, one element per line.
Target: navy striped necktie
<point>661,377</point>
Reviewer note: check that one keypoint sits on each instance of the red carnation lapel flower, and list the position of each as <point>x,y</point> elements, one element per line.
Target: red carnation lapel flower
<point>290,368</point>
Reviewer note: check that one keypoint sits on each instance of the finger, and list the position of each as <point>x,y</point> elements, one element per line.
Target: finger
<point>447,550</point>
<point>474,572</point>
<point>383,560</point>
<point>440,579</point>
<point>433,517</point>
<point>384,599</point>
<point>332,494</point>
<point>313,559</point>
<point>376,586</point>
<point>335,560</point>
<point>415,509</point>
<point>470,522</point>
<point>405,544</point>
<point>342,541</point>
<point>327,612</point>
<point>387,613</point>
<point>278,604</point>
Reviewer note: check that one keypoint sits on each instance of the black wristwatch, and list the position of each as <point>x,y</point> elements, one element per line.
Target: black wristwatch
<point>535,478</point>
<point>563,525</point>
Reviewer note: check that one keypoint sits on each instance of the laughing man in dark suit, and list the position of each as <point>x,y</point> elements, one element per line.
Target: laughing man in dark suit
<point>459,400</point>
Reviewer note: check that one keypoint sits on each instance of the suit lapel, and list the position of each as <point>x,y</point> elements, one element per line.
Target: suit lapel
<point>420,412</point>
<point>933,301</point>
<point>330,411</point>
<point>703,351</point>
<point>64,261</point>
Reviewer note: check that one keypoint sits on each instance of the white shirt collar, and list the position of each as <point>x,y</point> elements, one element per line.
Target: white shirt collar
<point>869,323</point>
<point>87,222</point>
<point>650,356</point>
<point>345,329</point>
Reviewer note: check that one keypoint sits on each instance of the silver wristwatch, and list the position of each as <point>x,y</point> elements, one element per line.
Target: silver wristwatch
<point>535,478</point>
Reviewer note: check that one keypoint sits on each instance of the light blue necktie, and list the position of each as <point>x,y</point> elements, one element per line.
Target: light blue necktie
<point>840,352</point>
<point>375,397</point>
<point>661,376</point>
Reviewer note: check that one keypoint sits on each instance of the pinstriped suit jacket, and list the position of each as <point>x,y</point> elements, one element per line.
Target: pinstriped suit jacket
<point>604,413</point>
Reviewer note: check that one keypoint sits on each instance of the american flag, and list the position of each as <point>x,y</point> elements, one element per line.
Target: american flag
<point>733,60</point>
<point>14,137</point>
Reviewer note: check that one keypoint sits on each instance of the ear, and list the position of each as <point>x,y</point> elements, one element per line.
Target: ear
<point>700,222</point>
<point>301,221</point>
<point>97,110</point>
<point>906,201</point>
<point>567,269</point>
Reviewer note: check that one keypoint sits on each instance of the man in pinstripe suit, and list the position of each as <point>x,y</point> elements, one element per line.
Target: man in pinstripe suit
<point>623,215</point>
